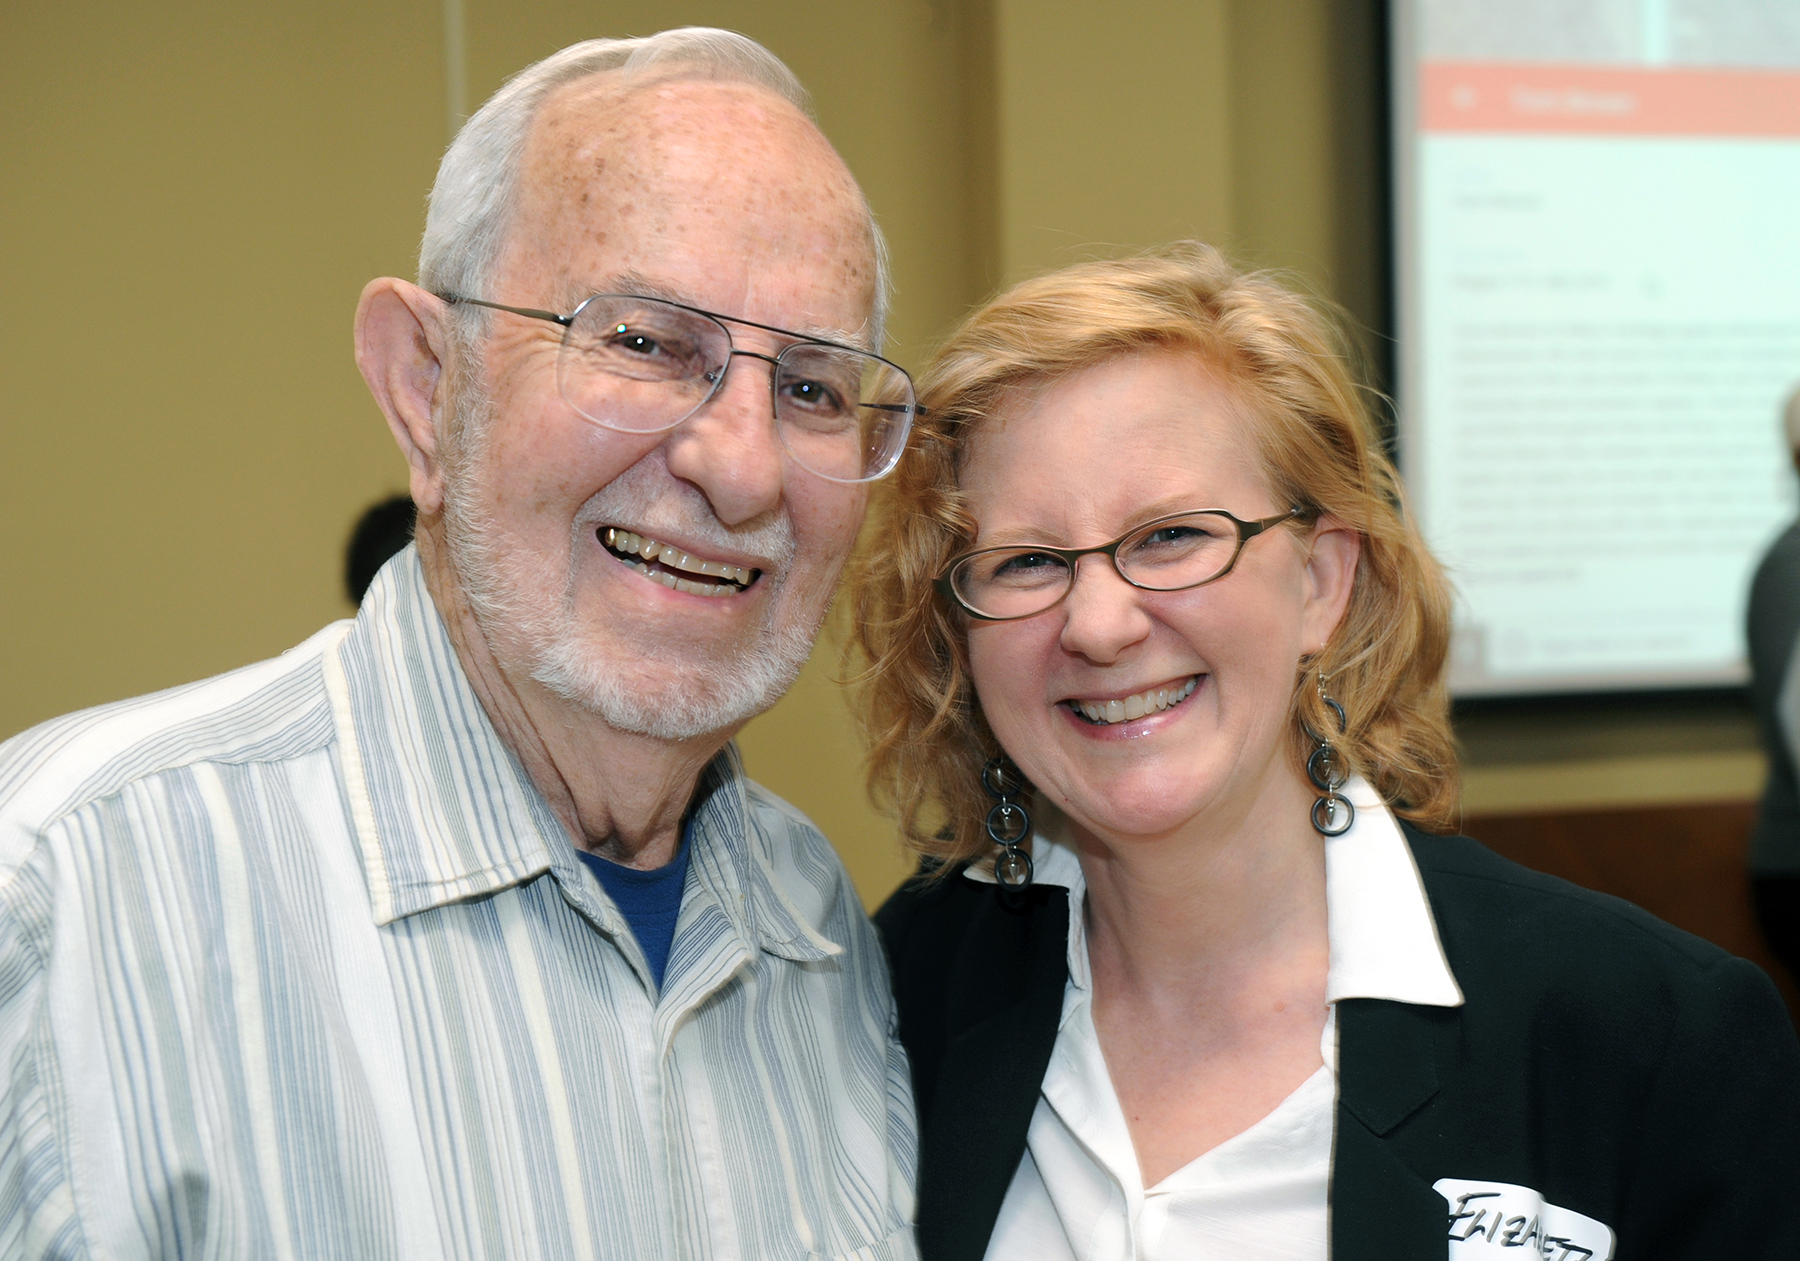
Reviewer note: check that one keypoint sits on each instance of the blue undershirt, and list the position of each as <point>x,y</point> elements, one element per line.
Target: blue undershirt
<point>650,901</point>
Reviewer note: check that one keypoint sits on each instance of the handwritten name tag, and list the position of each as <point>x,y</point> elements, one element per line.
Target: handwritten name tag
<point>1499,1215</point>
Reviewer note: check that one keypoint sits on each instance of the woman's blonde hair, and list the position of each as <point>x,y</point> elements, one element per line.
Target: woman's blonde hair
<point>1290,367</point>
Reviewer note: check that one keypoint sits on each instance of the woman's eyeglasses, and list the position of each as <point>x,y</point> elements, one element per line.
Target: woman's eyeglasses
<point>1189,549</point>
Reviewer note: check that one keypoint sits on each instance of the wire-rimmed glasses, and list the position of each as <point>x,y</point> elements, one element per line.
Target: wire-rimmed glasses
<point>643,365</point>
<point>1188,549</point>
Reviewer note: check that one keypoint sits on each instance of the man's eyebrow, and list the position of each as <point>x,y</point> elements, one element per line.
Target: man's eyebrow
<point>635,284</point>
<point>639,286</point>
<point>842,336</point>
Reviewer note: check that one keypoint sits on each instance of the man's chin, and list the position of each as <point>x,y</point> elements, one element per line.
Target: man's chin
<point>670,700</point>
<point>533,627</point>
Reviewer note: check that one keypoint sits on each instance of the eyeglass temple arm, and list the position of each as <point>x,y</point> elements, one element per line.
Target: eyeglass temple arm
<point>1248,530</point>
<point>531,312</point>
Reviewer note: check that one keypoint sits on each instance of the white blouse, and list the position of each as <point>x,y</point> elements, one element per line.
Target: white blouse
<point>1078,1195</point>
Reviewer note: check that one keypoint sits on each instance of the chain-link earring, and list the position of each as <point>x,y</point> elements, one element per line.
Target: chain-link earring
<point>1332,813</point>
<point>1007,824</point>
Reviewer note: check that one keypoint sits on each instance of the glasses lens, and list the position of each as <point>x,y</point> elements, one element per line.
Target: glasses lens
<point>1010,581</point>
<point>639,365</point>
<point>1182,552</point>
<point>844,414</point>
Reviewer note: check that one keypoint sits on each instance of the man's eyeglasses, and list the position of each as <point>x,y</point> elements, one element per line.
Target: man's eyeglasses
<point>643,365</point>
<point>1189,549</point>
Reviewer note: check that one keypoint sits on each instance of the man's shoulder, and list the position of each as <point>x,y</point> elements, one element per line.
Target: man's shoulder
<point>782,827</point>
<point>799,858</point>
<point>272,710</point>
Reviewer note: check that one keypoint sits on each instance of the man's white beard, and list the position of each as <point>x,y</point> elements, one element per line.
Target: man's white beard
<point>530,622</point>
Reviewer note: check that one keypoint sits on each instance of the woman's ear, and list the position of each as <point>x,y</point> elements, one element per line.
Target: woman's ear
<point>400,349</point>
<point>1333,552</point>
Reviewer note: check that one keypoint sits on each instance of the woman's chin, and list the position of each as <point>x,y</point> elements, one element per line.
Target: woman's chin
<point>1167,799</point>
<point>1120,815</point>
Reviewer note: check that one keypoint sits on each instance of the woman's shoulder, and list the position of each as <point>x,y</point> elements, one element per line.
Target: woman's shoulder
<point>1626,1069</point>
<point>935,892</point>
<point>1508,929</point>
<point>936,910</point>
<point>955,942</point>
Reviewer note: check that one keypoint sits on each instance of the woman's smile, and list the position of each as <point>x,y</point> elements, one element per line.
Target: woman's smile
<point>1100,711</point>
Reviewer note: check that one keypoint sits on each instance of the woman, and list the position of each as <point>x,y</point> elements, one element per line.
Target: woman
<point>1145,578</point>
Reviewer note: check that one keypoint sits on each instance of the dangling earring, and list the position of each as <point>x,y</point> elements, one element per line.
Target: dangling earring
<point>1332,813</point>
<point>1007,824</point>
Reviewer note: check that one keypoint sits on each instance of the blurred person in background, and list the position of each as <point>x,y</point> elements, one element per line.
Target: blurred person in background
<point>457,930</point>
<point>1773,631</point>
<point>1155,685</point>
<point>380,534</point>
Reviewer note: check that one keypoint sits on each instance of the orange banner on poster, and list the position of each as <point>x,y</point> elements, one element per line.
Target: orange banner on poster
<point>1607,100</point>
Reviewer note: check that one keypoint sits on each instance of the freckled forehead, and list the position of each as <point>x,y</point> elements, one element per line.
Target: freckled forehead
<point>623,170</point>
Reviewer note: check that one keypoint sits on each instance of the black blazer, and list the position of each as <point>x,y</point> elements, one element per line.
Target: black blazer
<point>1620,1067</point>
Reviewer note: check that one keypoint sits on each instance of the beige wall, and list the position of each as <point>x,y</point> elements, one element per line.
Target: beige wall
<point>191,202</point>
<point>194,195</point>
<point>1123,126</point>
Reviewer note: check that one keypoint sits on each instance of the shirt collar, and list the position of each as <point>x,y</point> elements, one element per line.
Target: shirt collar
<point>443,811</point>
<point>1384,940</point>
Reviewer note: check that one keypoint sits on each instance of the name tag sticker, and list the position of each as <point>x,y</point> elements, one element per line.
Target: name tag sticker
<point>1499,1215</point>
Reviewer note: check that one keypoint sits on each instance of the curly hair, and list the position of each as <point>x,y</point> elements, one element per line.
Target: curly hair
<point>1318,446</point>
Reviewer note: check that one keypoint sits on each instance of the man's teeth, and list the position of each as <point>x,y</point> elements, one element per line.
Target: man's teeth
<point>1151,702</point>
<point>625,543</point>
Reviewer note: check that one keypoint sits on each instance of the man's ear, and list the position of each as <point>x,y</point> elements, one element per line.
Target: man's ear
<point>400,348</point>
<point>1330,577</point>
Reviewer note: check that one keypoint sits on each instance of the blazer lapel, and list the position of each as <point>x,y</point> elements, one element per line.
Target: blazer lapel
<point>1387,1070</point>
<point>1006,1000</point>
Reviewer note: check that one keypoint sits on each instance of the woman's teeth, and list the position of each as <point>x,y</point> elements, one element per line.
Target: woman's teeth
<point>1151,702</point>
<point>658,561</point>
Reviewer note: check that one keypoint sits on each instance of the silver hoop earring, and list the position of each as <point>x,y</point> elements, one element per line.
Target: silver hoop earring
<point>1008,824</point>
<point>1332,813</point>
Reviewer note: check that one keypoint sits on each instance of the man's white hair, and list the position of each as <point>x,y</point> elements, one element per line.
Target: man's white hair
<point>471,205</point>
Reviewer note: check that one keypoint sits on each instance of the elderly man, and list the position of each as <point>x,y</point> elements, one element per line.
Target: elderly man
<point>457,930</point>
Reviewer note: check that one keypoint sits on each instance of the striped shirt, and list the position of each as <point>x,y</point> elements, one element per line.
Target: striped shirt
<point>295,962</point>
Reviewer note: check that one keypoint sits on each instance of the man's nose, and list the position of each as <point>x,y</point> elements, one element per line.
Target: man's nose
<point>730,449</point>
<point>1103,615</point>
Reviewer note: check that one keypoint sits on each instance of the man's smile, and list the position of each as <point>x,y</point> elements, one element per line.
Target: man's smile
<point>675,568</point>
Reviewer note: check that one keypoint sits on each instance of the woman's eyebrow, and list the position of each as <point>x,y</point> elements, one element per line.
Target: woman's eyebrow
<point>1169,506</point>
<point>1027,536</point>
<point>1018,538</point>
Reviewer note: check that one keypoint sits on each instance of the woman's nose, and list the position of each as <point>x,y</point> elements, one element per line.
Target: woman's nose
<point>1103,615</point>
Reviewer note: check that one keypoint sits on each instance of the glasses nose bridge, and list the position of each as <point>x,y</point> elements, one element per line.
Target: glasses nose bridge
<point>723,372</point>
<point>733,352</point>
<point>1108,550</point>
